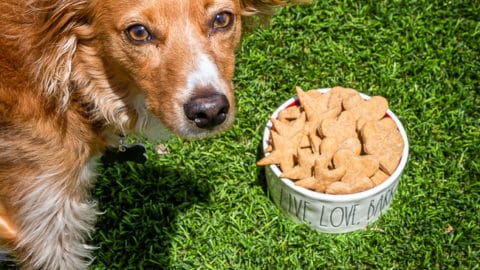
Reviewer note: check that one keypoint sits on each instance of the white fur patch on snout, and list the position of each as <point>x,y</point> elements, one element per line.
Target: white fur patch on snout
<point>204,78</point>
<point>205,74</point>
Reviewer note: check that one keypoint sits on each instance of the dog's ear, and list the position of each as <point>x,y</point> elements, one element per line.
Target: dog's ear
<point>259,7</point>
<point>264,9</point>
<point>58,27</point>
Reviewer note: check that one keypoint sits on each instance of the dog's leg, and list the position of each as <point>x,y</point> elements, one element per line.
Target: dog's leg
<point>54,220</point>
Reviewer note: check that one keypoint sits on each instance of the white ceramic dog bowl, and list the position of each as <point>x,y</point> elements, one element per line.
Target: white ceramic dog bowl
<point>332,213</point>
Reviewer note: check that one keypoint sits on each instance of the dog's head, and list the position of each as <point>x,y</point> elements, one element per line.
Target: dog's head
<point>131,60</point>
<point>177,54</point>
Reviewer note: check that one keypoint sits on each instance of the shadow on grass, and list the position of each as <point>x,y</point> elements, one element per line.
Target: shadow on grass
<point>261,177</point>
<point>6,262</point>
<point>141,203</point>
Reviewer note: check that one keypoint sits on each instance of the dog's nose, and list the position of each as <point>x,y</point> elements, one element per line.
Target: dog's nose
<point>207,111</point>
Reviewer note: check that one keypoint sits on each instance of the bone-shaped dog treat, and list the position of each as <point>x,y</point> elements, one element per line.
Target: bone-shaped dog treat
<point>323,175</point>
<point>306,160</point>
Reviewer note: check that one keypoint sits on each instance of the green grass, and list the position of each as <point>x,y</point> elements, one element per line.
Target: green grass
<point>205,205</point>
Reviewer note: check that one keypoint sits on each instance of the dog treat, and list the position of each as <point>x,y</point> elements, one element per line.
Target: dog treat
<point>335,142</point>
<point>366,110</point>
<point>315,143</point>
<point>323,176</point>
<point>316,108</point>
<point>379,177</point>
<point>313,105</point>
<point>382,139</point>
<point>340,128</point>
<point>338,94</point>
<point>305,160</point>
<point>289,113</point>
<point>314,121</point>
<point>339,187</point>
<point>331,145</point>
<point>284,151</point>
<point>305,142</point>
<point>289,129</point>
<point>357,166</point>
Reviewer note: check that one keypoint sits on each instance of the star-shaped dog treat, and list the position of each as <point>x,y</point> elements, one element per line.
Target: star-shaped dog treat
<point>312,104</point>
<point>290,113</point>
<point>316,109</point>
<point>291,128</point>
<point>284,151</point>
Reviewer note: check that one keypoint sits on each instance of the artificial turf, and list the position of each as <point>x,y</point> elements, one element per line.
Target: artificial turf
<point>205,204</point>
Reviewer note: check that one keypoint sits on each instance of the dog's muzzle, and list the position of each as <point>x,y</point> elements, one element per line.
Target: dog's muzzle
<point>207,111</point>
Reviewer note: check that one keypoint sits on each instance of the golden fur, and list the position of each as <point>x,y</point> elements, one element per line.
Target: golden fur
<point>75,76</point>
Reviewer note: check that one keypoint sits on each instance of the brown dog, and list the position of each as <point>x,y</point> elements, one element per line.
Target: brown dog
<point>78,75</point>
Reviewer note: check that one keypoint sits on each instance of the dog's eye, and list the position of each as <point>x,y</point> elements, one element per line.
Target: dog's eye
<point>138,33</point>
<point>222,20</point>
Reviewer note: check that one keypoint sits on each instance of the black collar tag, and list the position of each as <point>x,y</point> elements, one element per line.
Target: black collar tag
<point>125,152</point>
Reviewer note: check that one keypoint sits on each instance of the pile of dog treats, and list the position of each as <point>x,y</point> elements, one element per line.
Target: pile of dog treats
<point>335,142</point>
